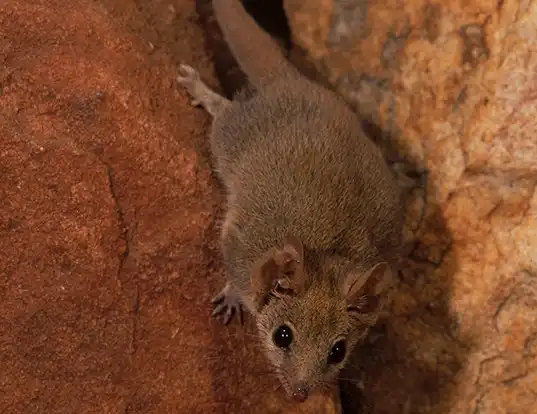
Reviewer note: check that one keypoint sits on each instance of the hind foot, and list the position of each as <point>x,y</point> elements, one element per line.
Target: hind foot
<point>227,304</point>
<point>200,93</point>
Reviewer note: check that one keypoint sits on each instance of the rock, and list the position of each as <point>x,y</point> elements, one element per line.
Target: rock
<point>452,87</point>
<point>109,250</point>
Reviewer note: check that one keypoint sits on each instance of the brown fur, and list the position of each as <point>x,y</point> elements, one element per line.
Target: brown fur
<point>314,213</point>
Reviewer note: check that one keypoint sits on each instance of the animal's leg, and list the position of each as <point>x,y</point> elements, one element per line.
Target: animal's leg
<point>201,94</point>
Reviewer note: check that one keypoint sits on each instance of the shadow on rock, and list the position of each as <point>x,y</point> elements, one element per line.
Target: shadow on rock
<point>408,363</point>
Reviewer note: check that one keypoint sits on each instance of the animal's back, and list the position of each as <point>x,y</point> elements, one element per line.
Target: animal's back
<point>298,162</point>
<point>295,160</point>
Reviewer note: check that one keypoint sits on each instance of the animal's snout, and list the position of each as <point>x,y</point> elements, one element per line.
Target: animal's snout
<point>301,391</point>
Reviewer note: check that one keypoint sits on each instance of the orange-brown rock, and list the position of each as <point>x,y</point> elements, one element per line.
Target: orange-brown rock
<point>108,221</point>
<point>453,85</point>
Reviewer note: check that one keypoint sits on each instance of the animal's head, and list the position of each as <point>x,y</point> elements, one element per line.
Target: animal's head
<point>312,312</point>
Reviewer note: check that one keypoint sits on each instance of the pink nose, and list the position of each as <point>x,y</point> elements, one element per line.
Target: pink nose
<point>300,393</point>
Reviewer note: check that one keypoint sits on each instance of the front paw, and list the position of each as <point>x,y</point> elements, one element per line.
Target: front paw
<point>227,304</point>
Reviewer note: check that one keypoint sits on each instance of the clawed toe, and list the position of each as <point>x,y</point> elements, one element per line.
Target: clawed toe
<point>218,298</point>
<point>227,305</point>
<point>219,309</point>
<point>227,312</point>
<point>230,311</point>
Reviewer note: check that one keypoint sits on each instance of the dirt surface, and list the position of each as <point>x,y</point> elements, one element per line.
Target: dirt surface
<point>109,219</point>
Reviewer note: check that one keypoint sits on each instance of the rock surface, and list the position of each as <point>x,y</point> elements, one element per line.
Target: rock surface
<point>452,87</point>
<point>108,222</point>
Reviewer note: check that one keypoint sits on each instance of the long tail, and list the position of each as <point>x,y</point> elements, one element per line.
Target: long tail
<point>256,53</point>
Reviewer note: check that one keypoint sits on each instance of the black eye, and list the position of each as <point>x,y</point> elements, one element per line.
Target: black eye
<point>337,353</point>
<point>283,336</point>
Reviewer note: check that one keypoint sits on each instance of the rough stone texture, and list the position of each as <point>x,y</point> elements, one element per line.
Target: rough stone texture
<point>453,84</point>
<point>108,220</point>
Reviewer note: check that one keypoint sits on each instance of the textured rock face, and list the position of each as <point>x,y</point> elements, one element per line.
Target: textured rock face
<point>452,84</point>
<point>109,248</point>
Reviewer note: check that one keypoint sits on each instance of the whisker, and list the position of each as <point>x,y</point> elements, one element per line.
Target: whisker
<point>358,382</point>
<point>237,335</point>
<point>354,364</point>
<point>266,371</point>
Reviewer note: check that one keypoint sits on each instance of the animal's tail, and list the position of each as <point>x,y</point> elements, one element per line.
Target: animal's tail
<point>256,53</point>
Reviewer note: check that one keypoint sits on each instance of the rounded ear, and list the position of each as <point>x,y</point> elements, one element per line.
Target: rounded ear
<point>279,272</point>
<point>291,255</point>
<point>362,290</point>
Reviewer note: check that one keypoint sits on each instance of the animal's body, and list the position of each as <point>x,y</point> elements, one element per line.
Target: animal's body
<point>314,214</point>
